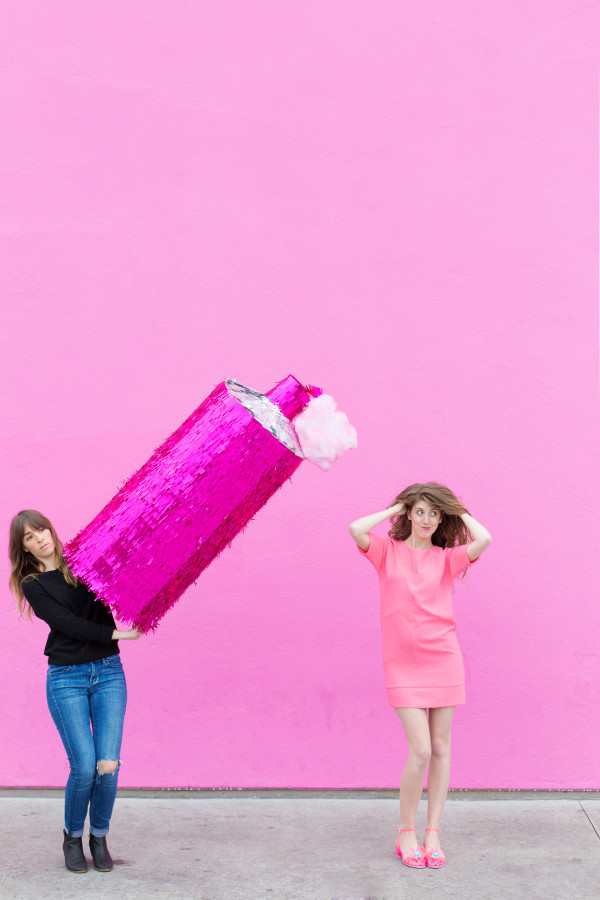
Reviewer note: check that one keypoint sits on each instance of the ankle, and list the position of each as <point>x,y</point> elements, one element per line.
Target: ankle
<point>432,838</point>
<point>407,838</point>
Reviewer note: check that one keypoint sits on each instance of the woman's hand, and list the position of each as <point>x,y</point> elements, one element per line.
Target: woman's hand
<point>132,635</point>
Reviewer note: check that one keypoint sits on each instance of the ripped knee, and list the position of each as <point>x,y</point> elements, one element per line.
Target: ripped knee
<point>105,766</point>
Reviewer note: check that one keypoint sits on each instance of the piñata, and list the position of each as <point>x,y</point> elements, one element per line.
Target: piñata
<point>198,490</point>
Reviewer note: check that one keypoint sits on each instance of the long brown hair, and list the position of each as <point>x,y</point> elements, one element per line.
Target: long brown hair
<point>451,530</point>
<point>24,565</point>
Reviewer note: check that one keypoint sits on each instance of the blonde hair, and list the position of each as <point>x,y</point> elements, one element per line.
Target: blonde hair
<point>24,565</point>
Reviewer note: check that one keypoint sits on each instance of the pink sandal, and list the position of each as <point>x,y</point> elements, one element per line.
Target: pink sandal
<point>415,859</point>
<point>434,859</point>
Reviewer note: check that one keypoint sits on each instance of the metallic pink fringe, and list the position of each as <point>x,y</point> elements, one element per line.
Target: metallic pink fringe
<point>186,503</point>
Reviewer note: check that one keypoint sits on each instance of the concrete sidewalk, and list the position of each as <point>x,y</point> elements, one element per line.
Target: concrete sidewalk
<point>292,848</point>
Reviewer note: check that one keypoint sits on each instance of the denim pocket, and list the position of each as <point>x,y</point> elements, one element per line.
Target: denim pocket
<point>114,661</point>
<point>58,670</point>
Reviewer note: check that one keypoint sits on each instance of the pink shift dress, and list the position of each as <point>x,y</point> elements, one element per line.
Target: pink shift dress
<point>421,658</point>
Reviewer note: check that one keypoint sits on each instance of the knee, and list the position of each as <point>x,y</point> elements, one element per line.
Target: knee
<point>440,748</point>
<point>420,755</point>
<point>83,772</point>
<point>107,765</point>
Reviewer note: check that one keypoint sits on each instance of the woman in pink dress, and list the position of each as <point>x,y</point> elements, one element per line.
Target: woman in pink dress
<point>433,539</point>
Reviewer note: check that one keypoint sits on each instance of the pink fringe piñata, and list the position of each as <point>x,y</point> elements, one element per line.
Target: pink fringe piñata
<point>195,493</point>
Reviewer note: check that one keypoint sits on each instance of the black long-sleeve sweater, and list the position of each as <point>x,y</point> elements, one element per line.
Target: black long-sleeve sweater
<point>80,626</point>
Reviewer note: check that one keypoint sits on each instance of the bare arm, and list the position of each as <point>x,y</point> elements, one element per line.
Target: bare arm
<point>481,537</point>
<point>360,529</point>
<point>132,635</point>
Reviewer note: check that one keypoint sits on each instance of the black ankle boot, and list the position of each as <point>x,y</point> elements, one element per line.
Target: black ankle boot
<point>100,855</point>
<point>75,861</point>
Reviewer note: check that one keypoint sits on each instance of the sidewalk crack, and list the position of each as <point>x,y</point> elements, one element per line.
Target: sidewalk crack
<point>590,821</point>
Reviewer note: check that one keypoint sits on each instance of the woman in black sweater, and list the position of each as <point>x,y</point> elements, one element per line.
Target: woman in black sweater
<point>85,680</point>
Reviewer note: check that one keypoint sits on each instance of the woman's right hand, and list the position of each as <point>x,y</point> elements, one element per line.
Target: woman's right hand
<point>132,635</point>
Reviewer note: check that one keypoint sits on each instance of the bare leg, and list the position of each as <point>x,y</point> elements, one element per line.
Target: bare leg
<point>416,728</point>
<point>438,779</point>
<point>107,765</point>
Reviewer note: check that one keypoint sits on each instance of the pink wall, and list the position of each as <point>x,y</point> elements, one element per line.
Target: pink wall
<point>394,200</point>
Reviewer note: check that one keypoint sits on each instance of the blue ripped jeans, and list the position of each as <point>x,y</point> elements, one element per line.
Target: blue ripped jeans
<point>77,695</point>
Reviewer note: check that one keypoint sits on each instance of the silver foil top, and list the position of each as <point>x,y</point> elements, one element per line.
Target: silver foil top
<point>266,414</point>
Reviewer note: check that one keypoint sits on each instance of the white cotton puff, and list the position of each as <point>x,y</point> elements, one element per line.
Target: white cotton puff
<point>324,432</point>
